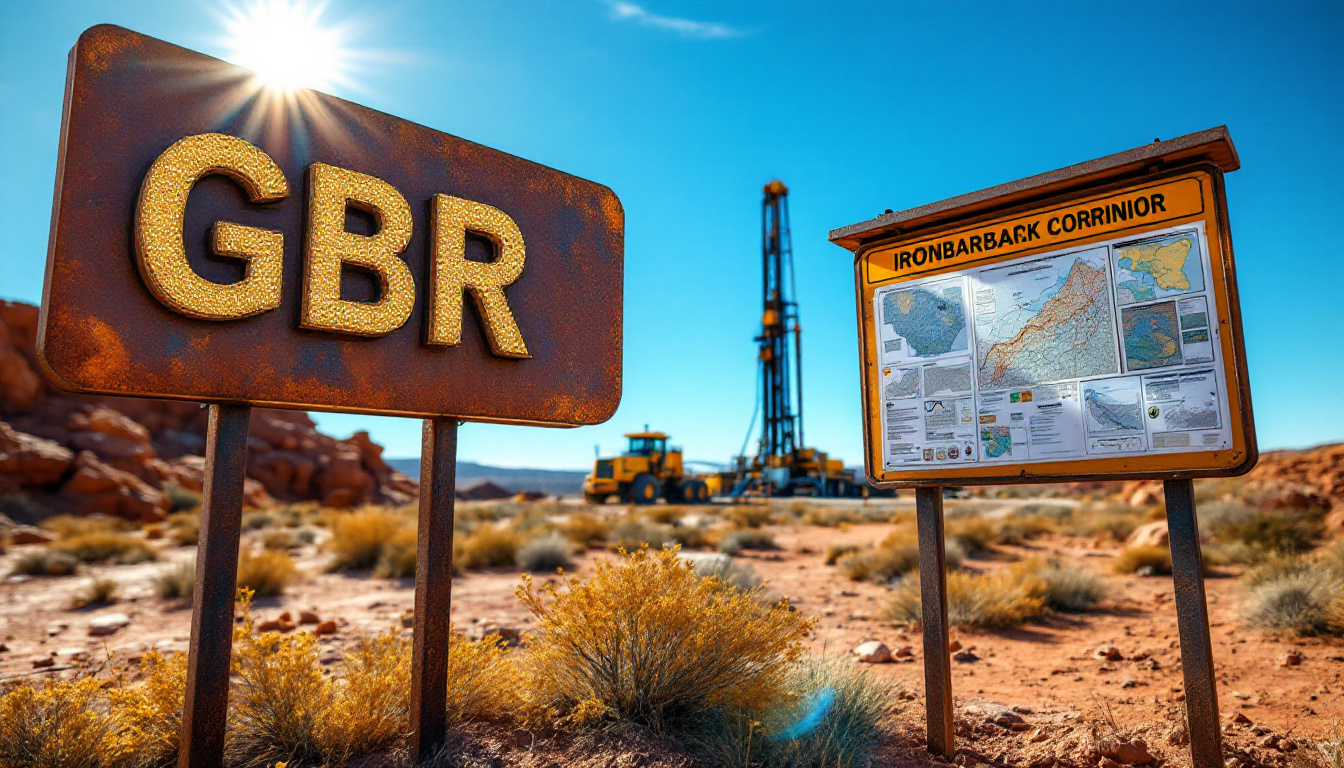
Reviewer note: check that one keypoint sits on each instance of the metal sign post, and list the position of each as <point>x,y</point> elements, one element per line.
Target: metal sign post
<point>933,609</point>
<point>202,254</point>
<point>1079,325</point>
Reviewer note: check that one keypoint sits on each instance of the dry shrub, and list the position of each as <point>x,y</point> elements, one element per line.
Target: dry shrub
<point>974,534</point>
<point>45,562</point>
<point>750,516</point>
<point>62,724</point>
<point>1324,751</point>
<point>398,557</point>
<point>893,557</point>
<point>647,640</point>
<point>180,499</point>
<point>1062,587</point>
<point>70,526</point>
<point>368,709</point>
<point>1296,594</point>
<point>483,684</point>
<point>828,517</point>
<point>358,538</point>
<point>277,699</point>
<point>96,592</point>
<point>1146,560</point>
<point>105,548</point>
<point>1021,527</point>
<point>587,530</point>
<point>184,528</point>
<point>280,540</point>
<point>153,711</point>
<point>177,582</point>
<point>836,551</point>
<point>984,600</point>
<point>1104,520</point>
<point>667,514</point>
<point>489,547</point>
<point>266,572</point>
<point>632,533</point>
<point>734,541</point>
<point>546,553</point>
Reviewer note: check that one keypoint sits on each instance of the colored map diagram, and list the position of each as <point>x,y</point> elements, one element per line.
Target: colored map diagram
<point>1151,336</point>
<point>930,318</point>
<point>1112,406</point>
<point>900,383</point>
<point>995,442</point>
<point>1156,269</point>
<point>1044,320</point>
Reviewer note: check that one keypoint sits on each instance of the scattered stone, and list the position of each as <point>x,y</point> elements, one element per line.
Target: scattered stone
<point>1129,683</point>
<point>108,624</point>
<point>1238,718</point>
<point>1269,740</point>
<point>1149,535</point>
<point>1293,658</point>
<point>27,534</point>
<point>408,618</point>
<point>1108,652</point>
<point>309,617</point>
<point>1287,745</point>
<point>1240,695</point>
<point>967,656</point>
<point>509,637</point>
<point>4,648</point>
<point>56,629</point>
<point>1127,751</point>
<point>44,662</point>
<point>327,627</point>
<point>954,646</point>
<point>873,652</point>
<point>904,652</point>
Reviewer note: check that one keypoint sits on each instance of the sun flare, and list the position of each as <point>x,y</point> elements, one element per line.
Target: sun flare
<point>286,44</point>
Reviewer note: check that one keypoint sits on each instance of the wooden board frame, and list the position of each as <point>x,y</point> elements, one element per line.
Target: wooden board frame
<point>1205,167</point>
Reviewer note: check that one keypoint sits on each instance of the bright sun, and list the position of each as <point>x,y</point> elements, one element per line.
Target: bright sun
<point>285,43</point>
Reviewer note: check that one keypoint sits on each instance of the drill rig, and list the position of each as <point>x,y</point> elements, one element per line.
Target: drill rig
<point>782,465</point>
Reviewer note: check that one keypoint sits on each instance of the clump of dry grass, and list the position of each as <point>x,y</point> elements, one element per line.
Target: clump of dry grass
<point>1103,520</point>
<point>1143,560</point>
<point>70,526</point>
<point>398,557</point>
<point>734,541</point>
<point>488,547</point>
<point>95,593</point>
<point>184,528</point>
<point>101,547</point>
<point>176,583</point>
<point>834,552</point>
<point>587,530</point>
<point>266,572</point>
<point>280,540</point>
<point>358,538</point>
<point>62,724</point>
<point>45,562</point>
<point>632,533</point>
<point>750,515</point>
<point>546,553</point>
<point>1061,587</point>
<point>647,640</point>
<point>984,600</point>
<point>152,711</point>
<point>891,558</point>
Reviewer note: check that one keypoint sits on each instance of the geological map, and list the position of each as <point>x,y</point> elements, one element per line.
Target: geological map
<point>930,318</point>
<point>1151,336</point>
<point>1044,320</point>
<point>1157,268</point>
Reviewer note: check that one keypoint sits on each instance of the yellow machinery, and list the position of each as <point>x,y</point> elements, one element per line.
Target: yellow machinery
<point>647,471</point>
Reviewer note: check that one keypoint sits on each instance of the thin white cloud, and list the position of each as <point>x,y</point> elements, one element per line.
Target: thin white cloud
<point>703,30</point>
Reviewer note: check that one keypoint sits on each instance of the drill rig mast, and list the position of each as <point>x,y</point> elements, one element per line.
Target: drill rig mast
<point>782,465</point>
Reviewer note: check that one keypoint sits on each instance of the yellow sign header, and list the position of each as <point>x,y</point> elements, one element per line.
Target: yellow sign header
<point>1066,223</point>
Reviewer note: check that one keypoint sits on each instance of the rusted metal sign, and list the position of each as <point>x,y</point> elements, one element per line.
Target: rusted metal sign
<point>1082,324</point>
<point>214,241</point>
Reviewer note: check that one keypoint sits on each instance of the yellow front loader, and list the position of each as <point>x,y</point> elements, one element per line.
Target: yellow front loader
<point>648,470</point>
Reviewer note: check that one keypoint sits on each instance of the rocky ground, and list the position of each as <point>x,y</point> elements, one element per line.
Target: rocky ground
<point>1051,688</point>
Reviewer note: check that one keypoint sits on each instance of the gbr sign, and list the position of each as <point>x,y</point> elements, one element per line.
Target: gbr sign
<point>216,242</point>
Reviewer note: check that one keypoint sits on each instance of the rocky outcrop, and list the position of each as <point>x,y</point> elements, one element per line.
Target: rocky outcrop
<point>76,454</point>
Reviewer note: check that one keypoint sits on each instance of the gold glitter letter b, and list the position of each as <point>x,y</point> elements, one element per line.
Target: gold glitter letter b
<point>451,273</point>
<point>159,248</point>
<point>330,190</point>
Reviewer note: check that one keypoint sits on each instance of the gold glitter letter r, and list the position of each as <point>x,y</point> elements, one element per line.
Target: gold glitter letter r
<point>451,273</point>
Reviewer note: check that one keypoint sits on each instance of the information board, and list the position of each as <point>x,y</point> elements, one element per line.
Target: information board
<point>1084,336</point>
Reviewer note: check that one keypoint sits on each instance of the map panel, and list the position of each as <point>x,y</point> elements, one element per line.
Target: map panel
<point>900,383</point>
<point>1044,320</point>
<point>930,318</point>
<point>1182,401</point>
<point>1157,268</point>
<point>1151,336</point>
<point>1113,406</point>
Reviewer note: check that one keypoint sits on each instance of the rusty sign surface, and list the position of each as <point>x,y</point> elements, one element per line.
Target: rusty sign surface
<point>216,241</point>
<point>1082,324</point>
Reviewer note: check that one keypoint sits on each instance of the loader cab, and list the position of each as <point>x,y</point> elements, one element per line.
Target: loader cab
<point>646,444</point>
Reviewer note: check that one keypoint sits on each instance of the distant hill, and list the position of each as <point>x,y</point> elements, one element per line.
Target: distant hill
<point>554,482</point>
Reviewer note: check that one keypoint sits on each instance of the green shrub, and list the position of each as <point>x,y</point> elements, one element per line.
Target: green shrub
<point>180,499</point>
<point>1303,602</point>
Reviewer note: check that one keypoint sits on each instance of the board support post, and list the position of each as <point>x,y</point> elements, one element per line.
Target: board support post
<point>433,587</point>
<point>208,657</point>
<point>1192,619</point>
<point>933,601</point>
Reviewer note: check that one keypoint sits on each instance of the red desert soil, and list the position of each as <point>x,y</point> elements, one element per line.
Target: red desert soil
<point>1047,669</point>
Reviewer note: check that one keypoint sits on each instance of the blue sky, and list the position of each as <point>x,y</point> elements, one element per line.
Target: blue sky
<point>686,109</point>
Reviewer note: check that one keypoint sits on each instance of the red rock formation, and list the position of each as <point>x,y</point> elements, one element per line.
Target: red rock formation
<point>80,454</point>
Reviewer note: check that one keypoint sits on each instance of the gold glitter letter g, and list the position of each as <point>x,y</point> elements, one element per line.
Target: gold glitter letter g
<point>159,248</point>
<point>330,190</point>
<point>451,273</point>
